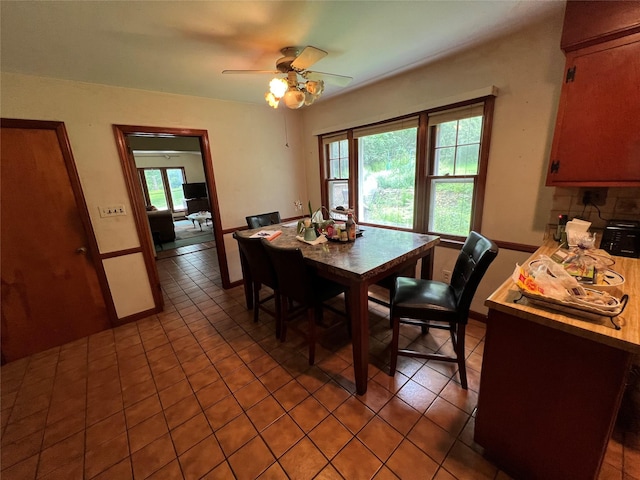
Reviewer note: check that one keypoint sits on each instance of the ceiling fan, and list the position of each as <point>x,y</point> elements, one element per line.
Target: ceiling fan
<point>295,62</point>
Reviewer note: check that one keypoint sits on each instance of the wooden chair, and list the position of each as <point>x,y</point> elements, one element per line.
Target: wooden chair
<point>298,283</point>
<point>256,260</point>
<point>430,303</point>
<point>263,219</point>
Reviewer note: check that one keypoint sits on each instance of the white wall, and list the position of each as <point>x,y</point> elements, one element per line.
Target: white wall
<point>527,69</point>
<point>254,170</point>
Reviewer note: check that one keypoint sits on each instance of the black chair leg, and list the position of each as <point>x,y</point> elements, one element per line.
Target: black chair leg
<point>312,315</point>
<point>281,324</point>
<point>460,353</point>
<point>256,302</point>
<point>395,341</point>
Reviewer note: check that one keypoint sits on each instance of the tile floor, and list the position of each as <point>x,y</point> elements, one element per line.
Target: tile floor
<point>200,391</point>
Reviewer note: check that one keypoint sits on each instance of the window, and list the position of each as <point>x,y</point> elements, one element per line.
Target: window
<point>387,173</point>
<point>337,184</point>
<point>162,187</point>
<point>424,172</point>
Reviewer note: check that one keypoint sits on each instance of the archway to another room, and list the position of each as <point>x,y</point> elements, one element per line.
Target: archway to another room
<point>169,174</point>
<point>174,189</point>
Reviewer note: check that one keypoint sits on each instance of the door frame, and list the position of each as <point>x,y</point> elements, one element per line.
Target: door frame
<point>136,196</point>
<point>81,203</point>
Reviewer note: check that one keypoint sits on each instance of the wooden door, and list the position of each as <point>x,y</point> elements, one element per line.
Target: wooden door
<point>51,290</point>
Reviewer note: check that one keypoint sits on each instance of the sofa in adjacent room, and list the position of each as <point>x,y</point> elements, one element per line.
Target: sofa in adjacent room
<point>161,224</point>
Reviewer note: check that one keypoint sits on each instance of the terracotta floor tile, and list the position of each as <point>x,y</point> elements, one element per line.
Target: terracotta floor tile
<point>182,411</point>
<point>152,457</point>
<point>409,462</point>
<point>171,471</point>
<point>201,458</point>
<point>330,436</point>
<point>142,410</point>
<point>290,394</point>
<point>24,427</point>
<point>189,433</point>
<point>282,435</point>
<point>313,379</point>
<point>121,471</point>
<point>376,397</point>
<point>431,439</point>
<point>448,416</point>
<point>400,415</point>
<point>235,434</point>
<point>203,377</point>
<point>251,460</point>
<point>466,400</point>
<point>69,471</point>
<point>356,461</point>
<point>221,472</point>
<point>275,472</point>
<point>175,393</point>
<point>393,384</point>
<point>275,378</point>
<point>308,414</point>
<point>212,393</point>
<point>353,414</point>
<point>61,453</point>
<point>331,395</point>
<point>430,378</point>
<point>416,395</point>
<point>22,470</point>
<point>239,378</point>
<point>221,413</point>
<point>138,392</point>
<point>303,461</point>
<point>265,412</point>
<point>147,431</point>
<point>106,455</point>
<point>105,430</point>
<point>329,473</point>
<point>380,437</point>
<point>463,463</point>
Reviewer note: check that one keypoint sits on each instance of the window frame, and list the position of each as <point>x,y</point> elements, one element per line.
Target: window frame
<point>165,184</point>
<point>425,157</point>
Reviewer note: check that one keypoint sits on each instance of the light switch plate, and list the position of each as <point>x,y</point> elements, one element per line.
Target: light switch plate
<point>112,210</point>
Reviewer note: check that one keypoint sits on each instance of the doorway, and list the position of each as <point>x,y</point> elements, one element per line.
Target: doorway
<point>124,135</point>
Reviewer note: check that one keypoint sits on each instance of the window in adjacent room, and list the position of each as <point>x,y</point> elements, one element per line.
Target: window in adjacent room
<point>162,187</point>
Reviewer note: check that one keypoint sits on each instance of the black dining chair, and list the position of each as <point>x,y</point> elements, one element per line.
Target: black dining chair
<point>263,219</point>
<point>433,304</point>
<point>262,272</point>
<point>300,284</point>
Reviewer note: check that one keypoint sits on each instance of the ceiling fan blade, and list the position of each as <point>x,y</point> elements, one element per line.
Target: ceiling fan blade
<point>339,80</point>
<point>308,57</point>
<point>234,72</point>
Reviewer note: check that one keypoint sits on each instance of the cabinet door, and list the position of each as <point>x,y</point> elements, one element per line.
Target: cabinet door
<point>597,135</point>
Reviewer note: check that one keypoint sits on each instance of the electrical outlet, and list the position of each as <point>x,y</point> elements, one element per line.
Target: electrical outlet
<point>593,196</point>
<point>112,210</point>
<point>446,275</point>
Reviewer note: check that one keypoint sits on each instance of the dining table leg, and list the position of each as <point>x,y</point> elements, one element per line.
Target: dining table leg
<point>359,311</point>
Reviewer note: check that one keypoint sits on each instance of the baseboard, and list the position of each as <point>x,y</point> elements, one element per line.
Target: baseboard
<point>135,317</point>
<point>480,317</point>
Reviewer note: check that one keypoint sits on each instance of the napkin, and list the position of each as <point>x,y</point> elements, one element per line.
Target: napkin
<point>317,241</point>
<point>576,229</point>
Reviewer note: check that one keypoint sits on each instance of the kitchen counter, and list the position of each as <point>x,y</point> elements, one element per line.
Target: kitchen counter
<point>601,330</point>
<point>552,382</point>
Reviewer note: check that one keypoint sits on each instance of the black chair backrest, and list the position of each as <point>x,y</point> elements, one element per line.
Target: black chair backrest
<point>263,219</point>
<point>262,270</point>
<point>294,278</point>
<point>473,261</point>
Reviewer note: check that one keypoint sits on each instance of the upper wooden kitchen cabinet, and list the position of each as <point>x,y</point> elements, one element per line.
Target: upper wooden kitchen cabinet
<point>597,135</point>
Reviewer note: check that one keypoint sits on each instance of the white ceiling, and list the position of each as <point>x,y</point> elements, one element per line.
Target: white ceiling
<point>183,46</point>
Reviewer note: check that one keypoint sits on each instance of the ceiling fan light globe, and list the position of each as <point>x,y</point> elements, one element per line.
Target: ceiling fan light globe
<point>309,98</point>
<point>294,98</point>
<point>278,87</point>
<point>271,99</point>
<point>314,87</point>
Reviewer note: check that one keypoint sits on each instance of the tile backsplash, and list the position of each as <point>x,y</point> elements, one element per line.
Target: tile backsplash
<point>621,203</point>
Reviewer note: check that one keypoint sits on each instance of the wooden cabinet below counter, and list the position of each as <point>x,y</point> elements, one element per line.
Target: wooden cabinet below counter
<point>597,138</point>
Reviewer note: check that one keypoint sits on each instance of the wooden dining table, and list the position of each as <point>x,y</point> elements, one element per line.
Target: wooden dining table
<point>375,255</point>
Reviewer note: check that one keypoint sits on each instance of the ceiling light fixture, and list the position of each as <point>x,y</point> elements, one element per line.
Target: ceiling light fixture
<point>294,94</point>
